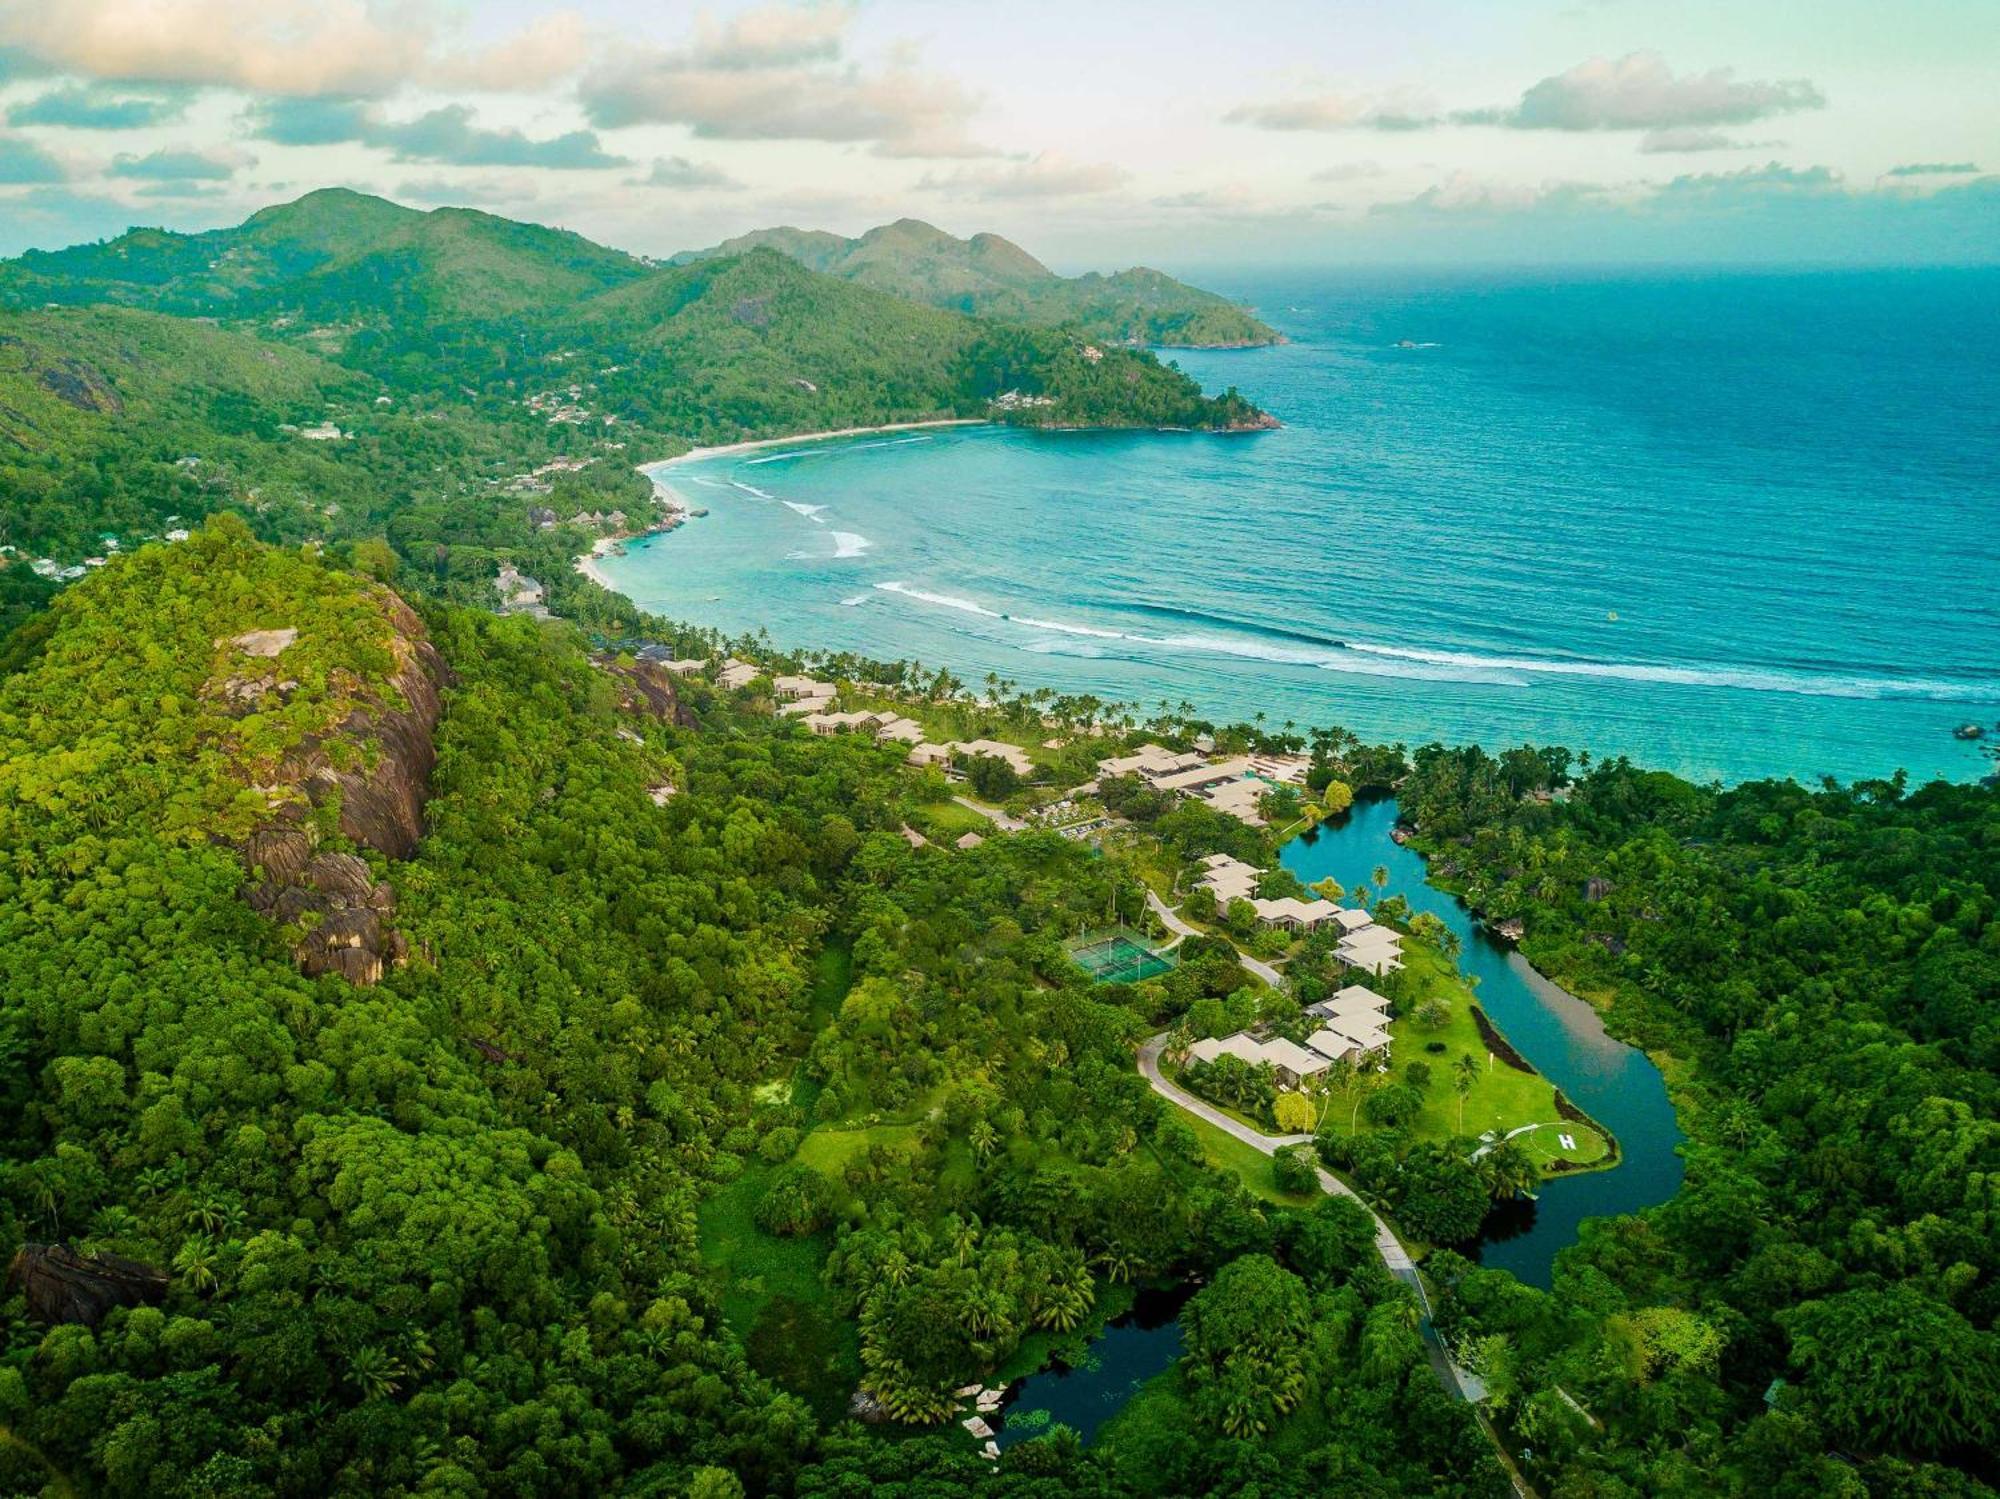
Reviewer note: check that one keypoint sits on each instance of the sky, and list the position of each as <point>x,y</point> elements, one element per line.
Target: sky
<point>1097,133</point>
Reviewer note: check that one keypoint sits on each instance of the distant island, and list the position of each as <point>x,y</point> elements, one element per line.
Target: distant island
<point>987,276</point>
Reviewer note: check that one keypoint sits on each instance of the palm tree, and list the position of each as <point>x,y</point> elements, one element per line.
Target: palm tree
<point>965,1236</point>
<point>1464,1073</point>
<point>1509,1171</point>
<point>984,1138</point>
<point>1381,876</point>
<point>196,1262</point>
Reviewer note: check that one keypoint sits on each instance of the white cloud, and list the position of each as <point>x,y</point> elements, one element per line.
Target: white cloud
<point>1687,138</point>
<point>1772,178</point>
<point>1331,111</point>
<point>1464,193</point>
<point>1049,175</point>
<point>279,46</point>
<point>1232,198</point>
<point>551,48</point>
<point>777,73</point>
<point>1640,92</point>
<point>1348,171</point>
<point>771,36</point>
<point>679,172</point>
<point>448,136</point>
<point>180,166</point>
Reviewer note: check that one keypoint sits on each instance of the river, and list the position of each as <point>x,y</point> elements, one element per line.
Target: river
<point>1563,1036</point>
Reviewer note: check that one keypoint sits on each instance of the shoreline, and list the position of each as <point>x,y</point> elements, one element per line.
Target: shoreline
<point>676,505</point>
<point>724,450</point>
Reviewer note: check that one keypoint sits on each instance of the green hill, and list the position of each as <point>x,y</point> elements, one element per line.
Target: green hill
<point>988,276</point>
<point>452,304</point>
<point>756,344</point>
<point>331,254</point>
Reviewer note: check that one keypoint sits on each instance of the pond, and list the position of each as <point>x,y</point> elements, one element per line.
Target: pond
<point>1563,1036</point>
<point>1132,1349</point>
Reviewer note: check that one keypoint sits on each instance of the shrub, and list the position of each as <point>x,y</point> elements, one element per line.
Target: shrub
<point>798,1201</point>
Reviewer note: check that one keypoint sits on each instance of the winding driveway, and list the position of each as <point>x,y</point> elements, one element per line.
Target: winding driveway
<point>1465,1385</point>
<point>1170,919</point>
<point>1001,820</point>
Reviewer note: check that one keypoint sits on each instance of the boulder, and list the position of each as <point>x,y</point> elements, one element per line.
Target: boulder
<point>63,1286</point>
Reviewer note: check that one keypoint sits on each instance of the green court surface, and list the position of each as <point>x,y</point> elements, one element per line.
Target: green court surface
<point>1118,955</point>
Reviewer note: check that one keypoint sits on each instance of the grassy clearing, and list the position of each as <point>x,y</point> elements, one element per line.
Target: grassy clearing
<point>943,822</point>
<point>1225,1152</point>
<point>773,1298</point>
<point>772,1294</point>
<point>1502,1096</point>
<point>829,1148</point>
<point>1544,1145</point>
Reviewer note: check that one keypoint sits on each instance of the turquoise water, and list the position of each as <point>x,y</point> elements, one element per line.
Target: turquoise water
<point>1561,1035</point>
<point>1727,525</point>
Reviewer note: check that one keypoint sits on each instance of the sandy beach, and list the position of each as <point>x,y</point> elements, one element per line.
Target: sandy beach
<point>677,506</point>
<point>694,454</point>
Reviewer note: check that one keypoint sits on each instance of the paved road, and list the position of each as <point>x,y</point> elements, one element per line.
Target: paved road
<point>1173,923</point>
<point>994,815</point>
<point>1460,1382</point>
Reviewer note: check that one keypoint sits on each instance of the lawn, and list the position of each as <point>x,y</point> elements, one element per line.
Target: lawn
<point>1502,1096</point>
<point>772,1296</point>
<point>1544,1144</point>
<point>1225,1152</point>
<point>771,1292</point>
<point>946,822</point>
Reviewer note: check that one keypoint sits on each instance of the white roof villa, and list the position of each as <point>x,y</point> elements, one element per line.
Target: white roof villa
<point>1231,880</point>
<point>1292,1062</point>
<point>925,753</point>
<point>902,730</point>
<point>687,666</point>
<point>1375,949</point>
<point>735,674</point>
<point>1204,774</point>
<point>1149,761</point>
<point>1241,798</point>
<point>805,706</point>
<point>1354,1000</point>
<point>790,689</point>
<point>1342,1040</point>
<point>1013,754</point>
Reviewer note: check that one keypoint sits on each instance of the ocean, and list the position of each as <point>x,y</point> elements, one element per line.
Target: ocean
<point>1729,525</point>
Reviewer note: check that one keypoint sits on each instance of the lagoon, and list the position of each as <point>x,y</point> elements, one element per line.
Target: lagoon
<point>1730,526</point>
<point>1562,1036</point>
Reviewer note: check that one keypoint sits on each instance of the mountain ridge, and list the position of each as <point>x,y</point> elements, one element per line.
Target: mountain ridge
<point>989,275</point>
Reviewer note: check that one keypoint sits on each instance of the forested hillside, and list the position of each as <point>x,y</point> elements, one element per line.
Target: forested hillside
<point>462,306</point>
<point>491,1224</point>
<point>988,276</point>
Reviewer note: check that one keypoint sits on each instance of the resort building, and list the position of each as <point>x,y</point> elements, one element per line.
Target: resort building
<point>1241,798</point>
<point>1148,762</point>
<point>678,666</point>
<point>1354,1040</point>
<point>1353,1002</point>
<point>735,674</point>
<point>794,689</point>
<point>1013,754</point>
<point>1232,880</point>
<point>1294,1064</point>
<point>901,731</point>
<point>1374,949</point>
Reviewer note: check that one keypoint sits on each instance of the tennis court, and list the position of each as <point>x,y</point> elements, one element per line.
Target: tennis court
<point>1118,955</point>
